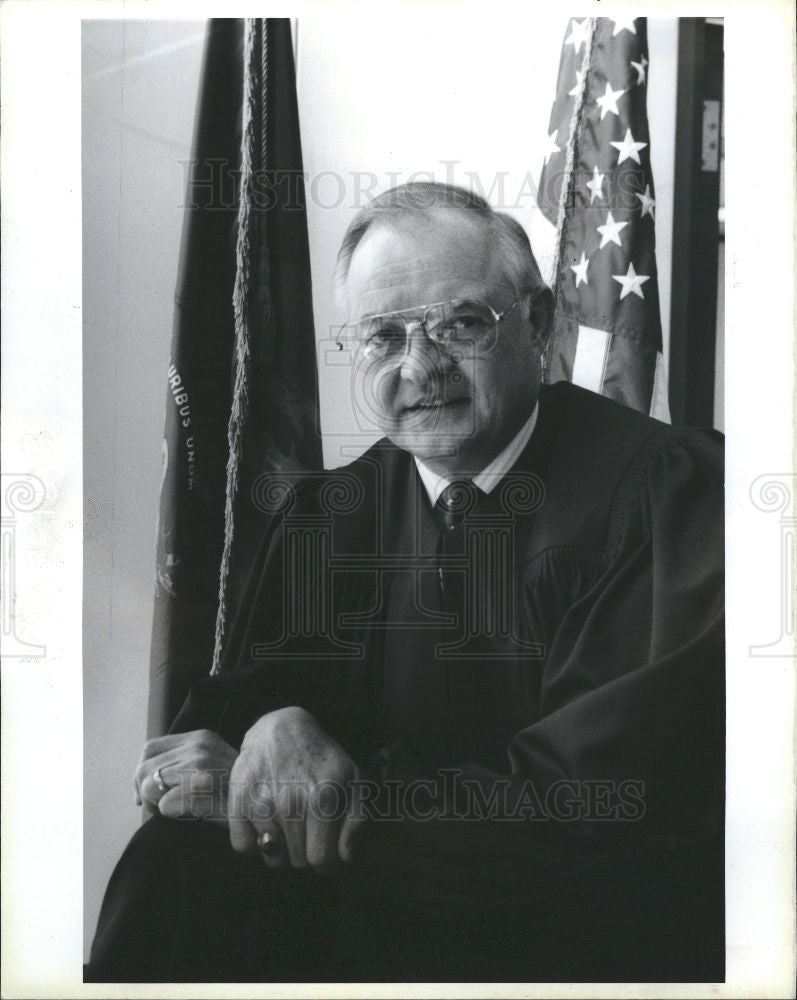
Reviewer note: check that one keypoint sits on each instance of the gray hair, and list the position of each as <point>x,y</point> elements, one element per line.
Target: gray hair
<point>422,198</point>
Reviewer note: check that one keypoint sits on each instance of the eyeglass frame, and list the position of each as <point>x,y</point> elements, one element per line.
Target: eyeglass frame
<point>498,317</point>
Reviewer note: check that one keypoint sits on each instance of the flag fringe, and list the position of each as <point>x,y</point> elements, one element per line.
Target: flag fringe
<point>241,308</point>
<point>568,177</point>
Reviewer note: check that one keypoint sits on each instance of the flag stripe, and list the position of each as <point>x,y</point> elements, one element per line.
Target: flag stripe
<point>660,404</point>
<point>560,353</point>
<point>629,372</point>
<point>592,352</point>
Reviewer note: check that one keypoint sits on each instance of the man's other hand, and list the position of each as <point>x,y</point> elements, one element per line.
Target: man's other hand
<point>292,782</point>
<point>186,775</point>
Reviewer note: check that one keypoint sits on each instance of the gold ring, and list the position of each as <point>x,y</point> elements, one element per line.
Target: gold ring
<point>157,777</point>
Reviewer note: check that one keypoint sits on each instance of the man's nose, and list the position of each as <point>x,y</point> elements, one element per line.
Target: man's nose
<point>423,361</point>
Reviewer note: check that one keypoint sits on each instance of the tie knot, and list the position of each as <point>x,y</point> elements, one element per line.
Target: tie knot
<point>457,499</point>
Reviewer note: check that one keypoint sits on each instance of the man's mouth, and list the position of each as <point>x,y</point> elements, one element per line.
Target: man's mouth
<point>433,404</point>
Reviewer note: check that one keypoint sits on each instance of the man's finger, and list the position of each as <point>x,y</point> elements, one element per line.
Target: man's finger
<point>157,780</point>
<point>173,804</point>
<point>243,835</point>
<point>322,845</point>
<point>265,808</point>
<point>160,744</point>
<point>271,846</point>
<point>292,821</point>
<point>195,795</point>
<point>327,808</point>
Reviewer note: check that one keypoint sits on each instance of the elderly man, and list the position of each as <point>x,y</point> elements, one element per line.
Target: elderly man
<point>470,724</point>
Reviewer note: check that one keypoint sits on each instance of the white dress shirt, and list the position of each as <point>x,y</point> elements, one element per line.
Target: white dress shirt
<point>491,474</point>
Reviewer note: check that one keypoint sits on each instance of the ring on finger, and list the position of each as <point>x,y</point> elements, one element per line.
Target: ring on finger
<point>268,843</point>
<point>157,777</point>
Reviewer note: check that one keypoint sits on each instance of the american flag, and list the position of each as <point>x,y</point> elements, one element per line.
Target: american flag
<point>596,187</point>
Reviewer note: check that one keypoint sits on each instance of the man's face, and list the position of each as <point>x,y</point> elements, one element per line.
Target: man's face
<point>454,412</point>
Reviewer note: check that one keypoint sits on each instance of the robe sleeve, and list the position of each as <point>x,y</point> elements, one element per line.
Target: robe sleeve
<point>632,702</point>
<point>232,700</point>
<point>249,685</point>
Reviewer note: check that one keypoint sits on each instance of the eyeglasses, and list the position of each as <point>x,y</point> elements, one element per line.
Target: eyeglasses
<point>461,328</point>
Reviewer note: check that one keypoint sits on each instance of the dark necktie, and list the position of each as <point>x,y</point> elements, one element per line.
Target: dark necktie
<point>457,499</point>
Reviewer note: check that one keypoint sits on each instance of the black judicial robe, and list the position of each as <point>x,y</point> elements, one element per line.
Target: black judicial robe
<point>565,644</point>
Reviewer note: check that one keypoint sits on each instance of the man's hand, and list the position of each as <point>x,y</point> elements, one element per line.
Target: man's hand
<point>186,775</point>
<point>292,780</point>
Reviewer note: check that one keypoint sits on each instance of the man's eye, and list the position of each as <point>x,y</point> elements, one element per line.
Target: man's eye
<point>386,334</point>
<point>462,326</point>
<point>385,338</point>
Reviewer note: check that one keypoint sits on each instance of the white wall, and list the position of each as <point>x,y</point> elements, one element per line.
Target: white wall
<point>139,93</point>
<point>379,102</point>
<point>457,98</point>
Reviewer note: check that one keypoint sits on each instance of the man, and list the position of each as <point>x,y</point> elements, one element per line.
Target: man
<point>470,724</point>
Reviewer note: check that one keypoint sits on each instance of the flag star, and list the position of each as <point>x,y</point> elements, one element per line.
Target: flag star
<point>610,233</point>
<point>578,34</point>
<point>609,101</point>
<point>596,185</point>
<point>628,148</point>
<point>631,282</point>
<point>580,270</point>
<point>648,203</point>
<point>578,85</point>
<point>551,146</point>
<point>640,68</point>
<point>626,24</point>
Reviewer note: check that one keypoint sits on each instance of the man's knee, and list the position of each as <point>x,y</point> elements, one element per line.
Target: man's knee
<point>170,840</point>
<point>173,874</point>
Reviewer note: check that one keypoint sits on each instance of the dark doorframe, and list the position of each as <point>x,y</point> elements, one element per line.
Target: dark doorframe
<point>695,237</point>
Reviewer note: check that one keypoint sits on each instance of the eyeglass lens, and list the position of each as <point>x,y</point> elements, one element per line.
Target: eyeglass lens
<point>460,324</point>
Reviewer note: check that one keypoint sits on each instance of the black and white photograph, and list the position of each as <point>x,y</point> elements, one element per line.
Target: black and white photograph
<point>417,416</point>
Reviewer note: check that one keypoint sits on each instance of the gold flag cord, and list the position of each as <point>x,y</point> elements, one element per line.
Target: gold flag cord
<point>254,93</point>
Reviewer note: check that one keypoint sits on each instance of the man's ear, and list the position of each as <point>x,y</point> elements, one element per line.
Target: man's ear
<point>540,315</point>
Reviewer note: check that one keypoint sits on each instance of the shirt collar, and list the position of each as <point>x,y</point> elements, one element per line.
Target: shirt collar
<point>491,474</point>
